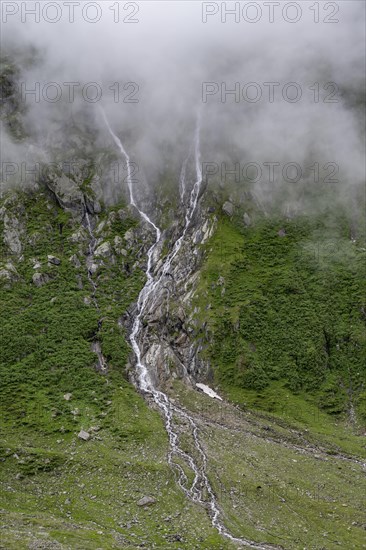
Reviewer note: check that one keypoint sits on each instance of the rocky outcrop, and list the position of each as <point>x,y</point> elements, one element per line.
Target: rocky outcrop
<point>168,338</point>
<point>67,193</point>
<point>10,215</point>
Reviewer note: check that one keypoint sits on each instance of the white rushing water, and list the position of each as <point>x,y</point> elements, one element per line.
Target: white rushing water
<point>200,490</point>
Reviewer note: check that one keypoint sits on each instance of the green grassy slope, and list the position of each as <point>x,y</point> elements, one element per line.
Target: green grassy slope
<point>59,491</point>
<point>284,302</point>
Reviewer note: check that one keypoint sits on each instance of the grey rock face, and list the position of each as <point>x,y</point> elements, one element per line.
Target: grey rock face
<point>169,347</point>
<point>68,194</point>
<point>93,205</point>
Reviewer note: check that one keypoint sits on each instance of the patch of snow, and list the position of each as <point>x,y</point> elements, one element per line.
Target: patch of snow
<point>208,391</point>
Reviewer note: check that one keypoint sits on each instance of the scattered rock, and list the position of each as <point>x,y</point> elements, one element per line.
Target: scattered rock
<point>39,279</point>
<point>9,272</point>
<point>83,435</point>
<point>53,260</point>
<point>146,501</point>
<point>281,233</point>
<point>67,396</point>
<point>104,250</point>
<point>228,208</point>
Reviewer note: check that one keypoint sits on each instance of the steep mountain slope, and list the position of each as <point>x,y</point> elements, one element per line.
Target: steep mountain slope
<point>240,302</point>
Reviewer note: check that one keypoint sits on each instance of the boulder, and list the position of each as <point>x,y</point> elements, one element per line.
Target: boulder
<point>228,208</point>
<point>39,279</point>
<point>9,272</point>
<point>146,501</point>
<point>84,435</point>
<point>104,250</point>
<point>53,260</point>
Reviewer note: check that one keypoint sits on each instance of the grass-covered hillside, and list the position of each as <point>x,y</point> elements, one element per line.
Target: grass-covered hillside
<point>281,317</point>
<point>59,491</point>
<point>284,305</point>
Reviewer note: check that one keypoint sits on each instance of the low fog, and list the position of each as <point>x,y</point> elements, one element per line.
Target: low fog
<point>170,53</point>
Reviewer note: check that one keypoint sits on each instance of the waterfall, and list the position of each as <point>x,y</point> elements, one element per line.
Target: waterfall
<point>145,382</point>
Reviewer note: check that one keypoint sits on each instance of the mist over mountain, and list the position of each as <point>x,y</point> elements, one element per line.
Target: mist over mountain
<point>178,64</point>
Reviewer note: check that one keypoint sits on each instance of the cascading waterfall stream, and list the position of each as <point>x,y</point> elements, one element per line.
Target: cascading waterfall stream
<point>200,482</point>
